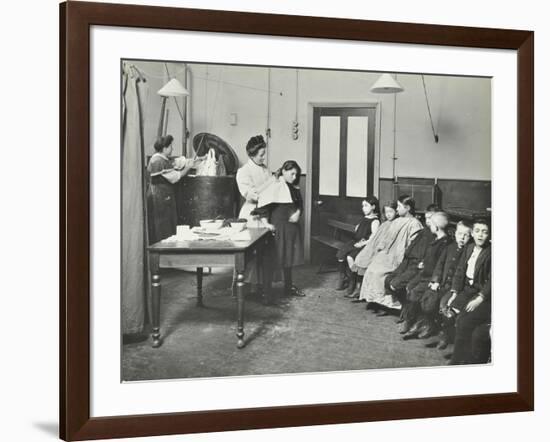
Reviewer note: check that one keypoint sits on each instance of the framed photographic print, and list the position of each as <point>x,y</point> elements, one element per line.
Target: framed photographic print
<point>274,220</point>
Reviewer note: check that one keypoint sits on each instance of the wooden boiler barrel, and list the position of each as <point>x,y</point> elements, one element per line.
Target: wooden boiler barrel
<point>206,197</point>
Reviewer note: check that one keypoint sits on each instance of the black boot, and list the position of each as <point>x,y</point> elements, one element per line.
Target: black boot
<point>447,324</point>
<point>443,342</point>
<point>352,285</point>
<point>373,306</point>
<point>287,279</point>
<point>357,294</point>
<point>343,279</point>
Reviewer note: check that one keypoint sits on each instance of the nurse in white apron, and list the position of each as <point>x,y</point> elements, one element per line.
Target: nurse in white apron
<point>253,178</point>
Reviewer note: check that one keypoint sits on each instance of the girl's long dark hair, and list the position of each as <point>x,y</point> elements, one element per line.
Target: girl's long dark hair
<point>289,165</point>
<point>407,200</point>
<point>373,201</point>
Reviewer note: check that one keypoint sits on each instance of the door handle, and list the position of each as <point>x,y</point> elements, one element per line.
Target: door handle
<point>319,203</point>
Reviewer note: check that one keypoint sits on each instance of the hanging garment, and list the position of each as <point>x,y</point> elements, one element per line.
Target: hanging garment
<point>134,269</point>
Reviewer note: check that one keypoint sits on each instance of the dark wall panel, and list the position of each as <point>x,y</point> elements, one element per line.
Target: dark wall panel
<point>469,194</point>
<point>475,195</point>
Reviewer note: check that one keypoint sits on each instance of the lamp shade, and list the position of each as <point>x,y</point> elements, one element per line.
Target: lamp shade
<point>386,84</point>
<point>173,89</point>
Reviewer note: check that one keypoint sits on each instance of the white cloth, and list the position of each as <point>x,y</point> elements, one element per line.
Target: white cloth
<point>472,263</point>
<point>276,192</point>
<point>180,162</point>
<point>210,166</point>
<point>252,180</point>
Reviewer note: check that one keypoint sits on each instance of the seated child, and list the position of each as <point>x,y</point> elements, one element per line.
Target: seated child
<point>412,312</point>
<point>395,283</point>
<point>389,254</point>
<point>471,292</point>
<point>376,243</point>
<point>347,253</point>
<point>440,286</point>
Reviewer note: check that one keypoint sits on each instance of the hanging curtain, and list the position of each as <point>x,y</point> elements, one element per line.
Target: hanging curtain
<point>134,269</point>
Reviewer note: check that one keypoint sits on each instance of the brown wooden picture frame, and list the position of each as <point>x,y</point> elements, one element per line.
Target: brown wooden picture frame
<point>75,21</point>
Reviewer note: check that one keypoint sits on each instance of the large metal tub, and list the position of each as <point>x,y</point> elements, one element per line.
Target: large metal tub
<point>206,197</point>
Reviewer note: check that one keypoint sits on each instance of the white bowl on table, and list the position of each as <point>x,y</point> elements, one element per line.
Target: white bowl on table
<point>237,226</point>
<point>211,224</point>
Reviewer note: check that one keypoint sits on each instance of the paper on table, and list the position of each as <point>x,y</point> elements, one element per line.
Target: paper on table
<point>198,234</point>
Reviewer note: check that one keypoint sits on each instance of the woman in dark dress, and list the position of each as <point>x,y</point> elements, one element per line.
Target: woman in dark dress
<point>161,200</point>
<point>284,218</point>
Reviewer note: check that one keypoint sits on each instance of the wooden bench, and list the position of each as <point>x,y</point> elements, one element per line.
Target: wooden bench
<point>335,241</point>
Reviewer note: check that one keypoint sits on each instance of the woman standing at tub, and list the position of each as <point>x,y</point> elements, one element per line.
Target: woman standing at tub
<point>253,178</point>
<point>161,200</point>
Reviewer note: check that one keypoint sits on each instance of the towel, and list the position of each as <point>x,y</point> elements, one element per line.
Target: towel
<point>276,192</point>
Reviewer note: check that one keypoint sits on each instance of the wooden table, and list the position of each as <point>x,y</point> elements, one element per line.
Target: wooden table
<point>207,253</point>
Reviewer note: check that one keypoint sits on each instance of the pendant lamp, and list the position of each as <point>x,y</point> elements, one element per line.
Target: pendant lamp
<point>386,84</point>
<point>171,89</point>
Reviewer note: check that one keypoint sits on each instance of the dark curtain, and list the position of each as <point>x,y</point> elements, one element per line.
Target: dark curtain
<point>134,268</point>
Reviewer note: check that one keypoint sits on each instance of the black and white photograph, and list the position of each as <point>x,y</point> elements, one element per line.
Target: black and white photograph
<point>240,221</point>
<point>282,220</point>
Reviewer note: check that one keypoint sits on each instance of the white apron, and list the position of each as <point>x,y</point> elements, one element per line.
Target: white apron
<point>252,179</point>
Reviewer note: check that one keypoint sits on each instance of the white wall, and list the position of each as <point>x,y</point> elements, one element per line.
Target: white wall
<point>461,112</point>
<point>460,109</point>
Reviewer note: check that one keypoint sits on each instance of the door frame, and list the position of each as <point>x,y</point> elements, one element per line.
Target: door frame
<point>373,104</point>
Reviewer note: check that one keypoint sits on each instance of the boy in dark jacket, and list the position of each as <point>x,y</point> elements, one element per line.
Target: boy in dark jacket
<point>396,282</point>
<point>435,299</point>
<point>471,291</point>
<point>415,323</point>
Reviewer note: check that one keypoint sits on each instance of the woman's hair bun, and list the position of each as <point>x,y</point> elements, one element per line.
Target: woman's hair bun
<point>163,142</point>
<point>254,145</point>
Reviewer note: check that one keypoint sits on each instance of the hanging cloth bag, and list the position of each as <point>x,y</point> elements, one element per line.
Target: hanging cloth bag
<point>211,167</point>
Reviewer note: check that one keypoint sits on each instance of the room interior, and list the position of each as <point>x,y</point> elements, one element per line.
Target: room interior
<point>431,140</point>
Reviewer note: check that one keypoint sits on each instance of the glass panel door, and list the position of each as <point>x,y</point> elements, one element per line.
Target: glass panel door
<point>357,149</point>
<point>329,156</point>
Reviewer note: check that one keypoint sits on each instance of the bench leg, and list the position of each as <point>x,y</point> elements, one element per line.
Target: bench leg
<point>320,271</point>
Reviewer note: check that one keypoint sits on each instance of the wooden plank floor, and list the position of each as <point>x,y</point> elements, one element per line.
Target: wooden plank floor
<point>320,332</point>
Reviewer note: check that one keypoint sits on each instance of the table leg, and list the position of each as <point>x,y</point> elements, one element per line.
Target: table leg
<point>154,268</point>
<point>155,333</point>
<point>199,287</point>
<point>240,309</point>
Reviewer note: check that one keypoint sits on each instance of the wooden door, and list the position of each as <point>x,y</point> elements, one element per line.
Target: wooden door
<point>343,164</point>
